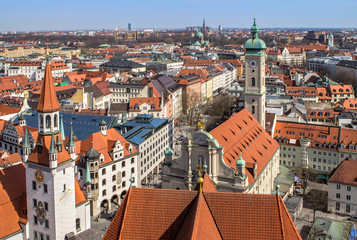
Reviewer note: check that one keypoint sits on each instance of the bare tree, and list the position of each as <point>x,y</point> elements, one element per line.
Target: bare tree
<point>190,101</point>
<point>221,106</point>
<point>317,200</point>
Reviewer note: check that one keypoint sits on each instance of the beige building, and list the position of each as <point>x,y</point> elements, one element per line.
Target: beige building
<point>239,156</point>
<point>342,189</point>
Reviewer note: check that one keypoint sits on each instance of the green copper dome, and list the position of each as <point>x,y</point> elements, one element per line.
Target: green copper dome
<point>255,43</point>
<point>240,162</point>
<point>199,34</point>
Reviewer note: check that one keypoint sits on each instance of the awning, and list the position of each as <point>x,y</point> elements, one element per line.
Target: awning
<point>322,176</point>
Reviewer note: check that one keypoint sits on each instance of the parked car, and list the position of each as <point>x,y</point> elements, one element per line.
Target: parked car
<point>353,218</point>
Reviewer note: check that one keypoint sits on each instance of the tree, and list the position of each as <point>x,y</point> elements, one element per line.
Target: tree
<point>221,106</point>
<point>317,200</point>
<point>190,102</point>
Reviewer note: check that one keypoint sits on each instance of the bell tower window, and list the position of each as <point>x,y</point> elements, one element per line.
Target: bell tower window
<point>55,121</point>
<point>41,121</point>
<point>253,109</point>
<point>48,121</point>
<point>253,81</point>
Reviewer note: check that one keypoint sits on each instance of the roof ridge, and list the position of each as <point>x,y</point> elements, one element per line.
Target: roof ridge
<point>280,216</point>
<point>125,211</point>
<point>212,215</point>
<point>288,215</point>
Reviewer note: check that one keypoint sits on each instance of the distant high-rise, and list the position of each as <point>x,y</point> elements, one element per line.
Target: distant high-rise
<point>204,27</point>
<point>129,26</point>
<point>220,28</point>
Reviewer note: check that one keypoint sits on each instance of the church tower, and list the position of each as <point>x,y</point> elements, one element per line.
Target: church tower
<point>254,94</point>
<point>50,180</point>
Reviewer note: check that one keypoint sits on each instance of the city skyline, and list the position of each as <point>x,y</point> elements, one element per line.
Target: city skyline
<point>38,15</point>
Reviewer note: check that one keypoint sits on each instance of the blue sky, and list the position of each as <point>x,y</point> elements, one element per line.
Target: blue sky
<point>35,15</point>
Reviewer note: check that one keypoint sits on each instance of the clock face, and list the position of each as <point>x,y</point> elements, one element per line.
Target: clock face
<point>39,177</point>
<point>253,64</point>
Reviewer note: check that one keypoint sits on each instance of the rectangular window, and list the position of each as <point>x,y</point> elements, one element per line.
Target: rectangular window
<point>349,188</point>
<point>35,220</point>
<point>338,195</point>
<point>78,224</point>
<point>338,206</point>
<point>64,187</point>
<point>34,187</point>
<point>47,225</point>
<point>35,235</point>
<point>348,197</point>
<point>46,206</point>
<point>64,171</point>
<point>338,186</point>
<point>41,236</point>
<point>47,237</point>
<point>45,190</point>
<point>348,208</point>
<point>34,202</point>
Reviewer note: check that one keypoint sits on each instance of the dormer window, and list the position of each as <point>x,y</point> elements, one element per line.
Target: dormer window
<point>101,158</point>
<point>351,147</point>
<point>343,145</point>
<point>130,149</point>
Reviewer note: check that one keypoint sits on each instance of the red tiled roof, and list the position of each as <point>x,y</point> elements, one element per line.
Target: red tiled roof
<point>48,99</point>
<point>323,94</point>
<point>142,100</point>
<point>297,91</point>
<point>80,198</point>
<point>341,89</point>
<point>43,156</point>
<point>345,173</point>
<point>350,104</point>
<point>242,135</point>
<point>180,214</point>
<point>105,144</point>
<point>318,134</point>
<point>12,199</point>
<point>6,110</point>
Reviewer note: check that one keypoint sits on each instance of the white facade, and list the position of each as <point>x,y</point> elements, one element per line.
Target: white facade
<point>342,198</point>
<point>152,152</point>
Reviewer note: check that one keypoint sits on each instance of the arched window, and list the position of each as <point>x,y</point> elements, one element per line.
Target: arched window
<point>253,81</point>
<point>55,121</point>
<point>48,121</point>
<point>41,121</point>
<point>253,109</point>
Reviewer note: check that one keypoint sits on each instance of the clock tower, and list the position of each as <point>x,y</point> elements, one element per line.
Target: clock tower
<point>50,179</point>
<point>254,95</point>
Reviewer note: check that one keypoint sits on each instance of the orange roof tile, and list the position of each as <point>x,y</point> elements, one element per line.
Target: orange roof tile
<point>133,102</point>
<point>350,104</point>
<point>185,215</point>
<point>48,99</point>
<point>345,173</point>
<point>242,135</point>
<point>12,199</point>
<point>6,110</point>
<point>43,156</point>
<point>318,134</point>
<point>80,198</point>
<point>105,144</point>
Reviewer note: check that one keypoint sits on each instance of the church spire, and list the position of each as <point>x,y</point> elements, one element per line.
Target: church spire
<point>62,128</point>
<point>48,98</point>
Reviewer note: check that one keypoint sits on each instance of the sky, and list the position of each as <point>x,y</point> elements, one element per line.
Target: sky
<point>43,15</point>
